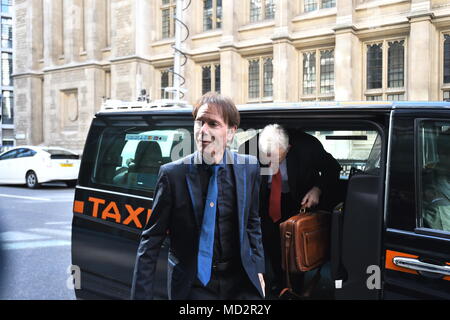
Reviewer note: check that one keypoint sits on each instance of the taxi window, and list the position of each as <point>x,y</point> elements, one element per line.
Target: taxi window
<point>354,150</point>
<point>434,165</point>
<point>131,159</point>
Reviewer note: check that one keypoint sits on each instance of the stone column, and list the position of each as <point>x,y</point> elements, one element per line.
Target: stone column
<point>28,44</point>
<point>422,82</point>
<point>95,28</point>
<point>347,66</point>
<point>285,68</point>
<point>232,74</point>
<point>231,71</point>
<point>347,55</point>
<point>54,48</point>
<point>29,109</point>
<point>285,56</point>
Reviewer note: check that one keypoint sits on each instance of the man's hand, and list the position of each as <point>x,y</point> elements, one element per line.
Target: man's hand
<point>263,284</point>
<point>311,199</point>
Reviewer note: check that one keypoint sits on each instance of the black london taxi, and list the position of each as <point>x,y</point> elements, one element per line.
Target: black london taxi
<point>390,235</point>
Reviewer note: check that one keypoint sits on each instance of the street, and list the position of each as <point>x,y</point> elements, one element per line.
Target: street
<point>35,236</point>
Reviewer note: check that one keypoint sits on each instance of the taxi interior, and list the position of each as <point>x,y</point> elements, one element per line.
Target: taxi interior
<point>358,150</point>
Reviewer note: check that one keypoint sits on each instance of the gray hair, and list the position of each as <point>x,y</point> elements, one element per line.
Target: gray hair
<point>273,136</point>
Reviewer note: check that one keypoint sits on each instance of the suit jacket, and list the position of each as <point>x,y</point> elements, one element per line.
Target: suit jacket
<point>308,165</point>
<point>177,210</point>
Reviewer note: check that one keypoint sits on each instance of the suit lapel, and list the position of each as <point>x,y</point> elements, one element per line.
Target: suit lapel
<point>240,177</point>
<point>195,190</point>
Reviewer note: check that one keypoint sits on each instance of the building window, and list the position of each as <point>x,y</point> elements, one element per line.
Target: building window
<point>7,107</point>
<point>262,10</point>
<point>447,58</point>
<point>168,8</point>
<point>212,14</point>
<point>260,68</point>
<point>327,72</point>
<point>6,33</point>
<point>309,73</point>
<point>311,5</point>
<point>321,63</point>
<point>6,69</point>
<point>385,70</point>
<point>373,98</point>
<point>396,64</point>
<point>328,3</point>
<point>374,66</point>
<point>211,78</point>
<point>445,85</point>
<point>396,97</point>
<point>6,6</point>
<point>166,82</point>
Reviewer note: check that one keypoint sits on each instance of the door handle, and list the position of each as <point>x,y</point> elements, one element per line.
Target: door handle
<point>418,265</point>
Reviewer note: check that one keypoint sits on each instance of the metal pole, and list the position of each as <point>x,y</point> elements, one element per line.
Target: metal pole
<point>177,57</point>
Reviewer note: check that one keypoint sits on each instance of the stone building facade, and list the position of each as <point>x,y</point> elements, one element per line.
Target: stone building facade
<point>6,82</point>
<point>72,53</point>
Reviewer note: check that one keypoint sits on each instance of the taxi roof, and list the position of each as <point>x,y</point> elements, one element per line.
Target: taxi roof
<point>182,107</point>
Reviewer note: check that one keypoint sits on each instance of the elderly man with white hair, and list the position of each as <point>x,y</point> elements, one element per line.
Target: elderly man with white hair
<point>300,174</point>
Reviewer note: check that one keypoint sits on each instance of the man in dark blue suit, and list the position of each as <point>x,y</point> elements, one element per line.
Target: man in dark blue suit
<point>208,204</point>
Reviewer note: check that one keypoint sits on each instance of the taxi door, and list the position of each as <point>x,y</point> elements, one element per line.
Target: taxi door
<point>417,234</point>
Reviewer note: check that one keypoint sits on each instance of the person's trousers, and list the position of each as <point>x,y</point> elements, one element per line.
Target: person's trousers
<point>229,283</point>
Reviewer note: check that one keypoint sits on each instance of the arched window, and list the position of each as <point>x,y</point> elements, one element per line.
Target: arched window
<point>447,58</point>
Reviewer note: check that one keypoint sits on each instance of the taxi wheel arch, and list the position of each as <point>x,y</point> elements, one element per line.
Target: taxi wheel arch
<point>31,180</point>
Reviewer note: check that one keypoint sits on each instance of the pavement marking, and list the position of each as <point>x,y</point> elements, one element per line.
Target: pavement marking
<point>34,244</point>
<point>20,236</point>
<point>23,197</point>
<point>64,233</point>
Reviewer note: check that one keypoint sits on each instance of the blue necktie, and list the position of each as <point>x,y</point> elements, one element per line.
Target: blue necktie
<point>205,248</point>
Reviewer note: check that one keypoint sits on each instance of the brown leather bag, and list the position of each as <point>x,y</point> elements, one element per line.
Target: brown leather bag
<point>305,241</point>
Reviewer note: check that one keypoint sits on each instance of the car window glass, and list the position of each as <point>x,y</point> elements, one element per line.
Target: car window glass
<point>9,155</point>
<point>353,149</point>
<point>131,158</point>
<point>434,159</point>
<point>25,152</point>
<point>60,154</point>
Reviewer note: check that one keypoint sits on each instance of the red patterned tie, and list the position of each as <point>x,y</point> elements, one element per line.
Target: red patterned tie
<point>275,197</point>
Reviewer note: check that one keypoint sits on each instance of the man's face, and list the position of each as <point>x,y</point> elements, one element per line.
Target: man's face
<point>274,156</point>
<point>211,134</point>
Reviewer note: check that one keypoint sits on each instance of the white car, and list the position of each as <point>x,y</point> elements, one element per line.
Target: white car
<point>32,166</point>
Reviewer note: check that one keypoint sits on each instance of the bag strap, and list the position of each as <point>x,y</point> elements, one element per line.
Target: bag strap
<point>287,248</point>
